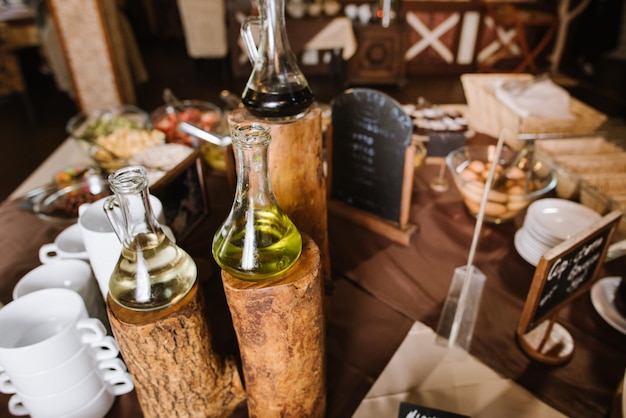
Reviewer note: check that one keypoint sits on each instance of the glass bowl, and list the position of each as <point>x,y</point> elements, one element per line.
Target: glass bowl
<point>89,126</point>
<point>517,181</point>
<point>205,115</point>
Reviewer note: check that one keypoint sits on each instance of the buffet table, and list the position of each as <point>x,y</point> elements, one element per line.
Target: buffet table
<point>388,296</point>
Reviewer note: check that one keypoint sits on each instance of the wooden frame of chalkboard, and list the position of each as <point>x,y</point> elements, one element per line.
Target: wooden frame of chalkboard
<point>370,154</point>
<point>183,194</point>
<point>563,273</point>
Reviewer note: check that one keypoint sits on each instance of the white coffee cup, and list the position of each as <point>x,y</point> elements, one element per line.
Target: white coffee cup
<point>99,406</point>
<point>43,329</point>
<point>101,356</point>
<point>71,399</point>
<point>102,244</point>
<point>70,274</point>
<point>68,244</point>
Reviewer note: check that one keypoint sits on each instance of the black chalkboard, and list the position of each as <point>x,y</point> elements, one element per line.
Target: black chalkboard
<point>370,135</point>
<point>568,270</point>
<point>408,410</point>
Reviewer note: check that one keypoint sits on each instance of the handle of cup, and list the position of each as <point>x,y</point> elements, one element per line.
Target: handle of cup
<point>112,365</point>
<point>48,253</point>
<point>16,406</point>
<point>105,349</point>
<point>118,382</point>
<point>5,384</point>
<point>91,330</point>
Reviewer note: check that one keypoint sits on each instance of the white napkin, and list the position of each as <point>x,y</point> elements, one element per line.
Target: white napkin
<point>540,98</point>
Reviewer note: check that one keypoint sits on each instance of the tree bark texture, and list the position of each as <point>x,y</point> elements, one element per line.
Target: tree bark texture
<point>169,355</point>
<point>297,175</point>
<point>280,328</point>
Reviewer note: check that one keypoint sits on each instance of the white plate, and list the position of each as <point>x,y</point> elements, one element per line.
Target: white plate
<point>534,230</point>
<point>528,255</point>
<point>561,218</point>
<point>531,242</point>
<point>602,295</point>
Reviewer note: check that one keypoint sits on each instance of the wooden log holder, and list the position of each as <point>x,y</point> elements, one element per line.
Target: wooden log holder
<point>280,329</point>
<point>169,355</point>
<point>296,167</point>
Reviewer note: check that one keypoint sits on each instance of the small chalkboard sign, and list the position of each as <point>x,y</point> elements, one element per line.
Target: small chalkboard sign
<point>371,133</point>
<point>408,410</point>
<point>563,273</point>
<point>370,143</point>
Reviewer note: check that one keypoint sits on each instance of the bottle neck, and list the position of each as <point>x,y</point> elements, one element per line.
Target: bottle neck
<point>274,49</point>
<point>133,215</point>
<point>254,188</point>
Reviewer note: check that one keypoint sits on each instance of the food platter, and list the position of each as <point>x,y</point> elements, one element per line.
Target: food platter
<point>61,204</point>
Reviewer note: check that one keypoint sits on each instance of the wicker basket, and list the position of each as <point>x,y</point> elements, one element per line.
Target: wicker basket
<point>489,115</point>
<point>594,163</point>
<point>577,146</point>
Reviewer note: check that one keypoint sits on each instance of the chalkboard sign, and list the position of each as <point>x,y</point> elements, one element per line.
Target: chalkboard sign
<point>370,136</point>
<point>408,410</point>
<point>567,270</point>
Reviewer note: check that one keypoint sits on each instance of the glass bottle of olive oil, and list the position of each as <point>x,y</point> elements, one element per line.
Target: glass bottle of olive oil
<point>152,272</point>
<point>257,241</point>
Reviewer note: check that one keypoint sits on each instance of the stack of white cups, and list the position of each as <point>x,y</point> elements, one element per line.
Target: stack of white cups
<point>56,360</point>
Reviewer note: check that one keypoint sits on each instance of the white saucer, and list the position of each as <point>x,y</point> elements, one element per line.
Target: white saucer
<point>561,218</point>
<point>602,295</point>
<point>527,254</point>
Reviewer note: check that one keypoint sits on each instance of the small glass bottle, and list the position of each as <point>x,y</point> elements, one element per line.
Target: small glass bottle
<point>276,89</point>
<point>257,241</point>
<point>152,272</point>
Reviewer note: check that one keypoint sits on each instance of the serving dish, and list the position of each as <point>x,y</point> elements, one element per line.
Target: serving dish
<point>516,185</point>
<point>89,126</point>
<point>61,205</point>
<point>202,114</point>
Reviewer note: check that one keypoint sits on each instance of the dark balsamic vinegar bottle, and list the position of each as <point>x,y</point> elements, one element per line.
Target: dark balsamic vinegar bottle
<point>276,89</point>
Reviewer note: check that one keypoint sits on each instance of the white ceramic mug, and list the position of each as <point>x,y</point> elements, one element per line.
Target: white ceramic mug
<point>68,244</point>
<point>102,244</point>
<point>99,406</point>
<point>101,356</point>
<point>71,399</point>
<point>70,274</point>
<point>43,329</point>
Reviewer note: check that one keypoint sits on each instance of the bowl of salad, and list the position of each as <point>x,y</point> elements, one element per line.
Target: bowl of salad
<point>90,126</point>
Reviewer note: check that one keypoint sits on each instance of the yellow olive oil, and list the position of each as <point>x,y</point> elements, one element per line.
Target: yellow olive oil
<point>155,274</point>
<point>262,245</point>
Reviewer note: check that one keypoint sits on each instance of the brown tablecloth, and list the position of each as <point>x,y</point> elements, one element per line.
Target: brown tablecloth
<point>381,289</point>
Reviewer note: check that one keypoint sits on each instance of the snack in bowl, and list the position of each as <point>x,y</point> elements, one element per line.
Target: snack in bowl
<point>62,204</point>
<point>126,142</point>
<point>514,186</point>
<point>204,115</point>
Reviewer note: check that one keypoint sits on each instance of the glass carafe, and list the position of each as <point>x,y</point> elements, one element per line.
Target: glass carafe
<point>257,241</point>
<point>152,272</point>
<point>276,89</point>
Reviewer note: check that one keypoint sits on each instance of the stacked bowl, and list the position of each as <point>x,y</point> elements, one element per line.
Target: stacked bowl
<point>55,360</point>
<point>549,222</point>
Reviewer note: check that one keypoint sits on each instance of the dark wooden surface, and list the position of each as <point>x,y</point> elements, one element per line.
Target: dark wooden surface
<point>381,288</point>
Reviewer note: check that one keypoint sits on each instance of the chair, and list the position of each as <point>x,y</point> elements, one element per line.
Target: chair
<point>519,33</point>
